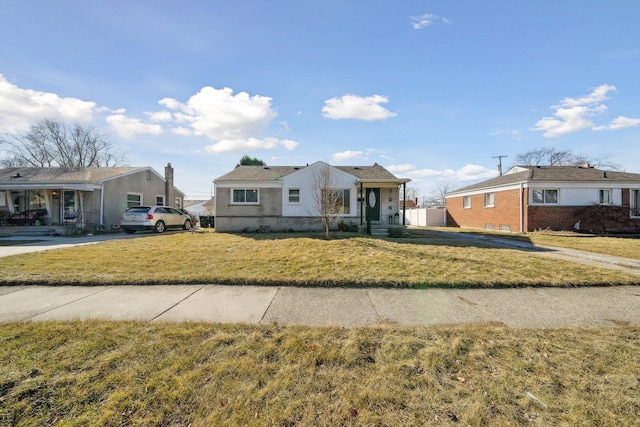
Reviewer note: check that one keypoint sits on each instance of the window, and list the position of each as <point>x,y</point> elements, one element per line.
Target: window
<point>635,203</point>
<point>159,200</point>
<point>544,196</point>
<point>344,201</point>
<point>488,199</point>
<point>133,199</point>
<point>466,202</point>
<point>505,227</point>
<point>488,226</point>
<point>604,197</point>
<point>294,195</point>
<point>245,196</point>
<point>178,203</point>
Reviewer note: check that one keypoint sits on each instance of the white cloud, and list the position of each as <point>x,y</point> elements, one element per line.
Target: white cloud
<point>357,107</point>
<point>234,122</point>
<point>347,155</point>
<point>400,168</point>
<point>419,22</point>
<point>159,116</point>
<point>128,128</point>
<point>180,130</point>
<point>464,174</point>
<point>621,123</point>
<point>573,114</point>
<point>220,115</point>
<point>20,108</point>
<point>228,145</point>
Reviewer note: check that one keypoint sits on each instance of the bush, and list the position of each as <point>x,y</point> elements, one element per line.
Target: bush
<point>396,232</point>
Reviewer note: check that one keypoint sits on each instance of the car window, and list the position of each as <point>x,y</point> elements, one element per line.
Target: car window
<point>173,211</point>
<point>161,210</point>
<point>138,209</point>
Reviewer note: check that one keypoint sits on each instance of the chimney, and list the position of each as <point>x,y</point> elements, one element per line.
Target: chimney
<point>168,185</point>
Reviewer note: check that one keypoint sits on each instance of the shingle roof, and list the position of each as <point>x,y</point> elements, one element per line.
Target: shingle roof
<point>258,173</point>
<point>368,172</point>
<point>52,175</point>
<point>273,173</point>
<point>554,174</point>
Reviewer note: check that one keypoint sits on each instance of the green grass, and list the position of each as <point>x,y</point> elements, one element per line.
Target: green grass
<point>626,246</point>
<point>127,373</point>
<point>429,260</point>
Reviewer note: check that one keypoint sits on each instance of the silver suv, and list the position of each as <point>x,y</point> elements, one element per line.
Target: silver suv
<point>156,218</point>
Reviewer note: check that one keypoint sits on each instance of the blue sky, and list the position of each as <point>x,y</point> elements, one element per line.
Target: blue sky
<point>432,90</point>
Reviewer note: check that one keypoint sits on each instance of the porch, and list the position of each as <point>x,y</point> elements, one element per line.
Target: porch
<point>70,229</point>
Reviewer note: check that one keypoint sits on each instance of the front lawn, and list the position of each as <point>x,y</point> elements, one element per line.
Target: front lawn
<point>140,374</point>
<point>429,260</point>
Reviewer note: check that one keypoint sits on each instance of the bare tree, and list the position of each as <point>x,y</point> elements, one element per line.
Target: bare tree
<point>49,144</point>
<point>329,201</point>
<point>436,197</point>
<point>412,193</point>
<point>552,157</point>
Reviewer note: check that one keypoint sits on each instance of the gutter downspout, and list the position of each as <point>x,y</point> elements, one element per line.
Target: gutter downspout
<point>361,205</point>
<point>522,207</point>
<point>102,206</point>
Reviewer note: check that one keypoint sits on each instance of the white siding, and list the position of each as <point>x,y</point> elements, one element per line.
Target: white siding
<point>304,181</point>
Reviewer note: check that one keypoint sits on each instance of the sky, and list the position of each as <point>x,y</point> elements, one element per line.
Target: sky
<point>433,91</point>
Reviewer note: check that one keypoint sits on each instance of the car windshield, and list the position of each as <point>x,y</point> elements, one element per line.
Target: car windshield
<point>138,209</point>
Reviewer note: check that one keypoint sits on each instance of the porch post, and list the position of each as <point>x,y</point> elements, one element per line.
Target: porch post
<point>404,202</point>
<point>361,205</point>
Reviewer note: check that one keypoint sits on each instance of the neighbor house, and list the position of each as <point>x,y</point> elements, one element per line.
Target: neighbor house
<point>286,197</point>
<point>91,197</point>
<point>529,198</point>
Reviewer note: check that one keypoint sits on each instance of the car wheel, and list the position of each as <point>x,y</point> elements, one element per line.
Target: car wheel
<point>129,231</point>
<point>186,225</point>
<point>160,227</point>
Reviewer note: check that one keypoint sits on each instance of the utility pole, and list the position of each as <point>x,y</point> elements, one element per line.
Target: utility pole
<point>499,162</point>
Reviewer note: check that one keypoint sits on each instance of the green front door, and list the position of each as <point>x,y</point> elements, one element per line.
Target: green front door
<point>373,203</point>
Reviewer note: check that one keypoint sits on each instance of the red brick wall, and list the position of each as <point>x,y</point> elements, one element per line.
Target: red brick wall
<point>506,211</point>
<point>596,218</point>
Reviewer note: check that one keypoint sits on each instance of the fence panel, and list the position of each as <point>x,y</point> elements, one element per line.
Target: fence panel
<point>423,217</point>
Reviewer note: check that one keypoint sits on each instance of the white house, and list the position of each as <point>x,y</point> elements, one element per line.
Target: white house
<point>285,197</point>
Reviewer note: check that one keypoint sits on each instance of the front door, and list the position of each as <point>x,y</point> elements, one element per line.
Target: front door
<point>373,203</point>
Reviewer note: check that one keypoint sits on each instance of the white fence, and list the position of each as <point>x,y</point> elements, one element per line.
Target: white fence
<point>423,217</point>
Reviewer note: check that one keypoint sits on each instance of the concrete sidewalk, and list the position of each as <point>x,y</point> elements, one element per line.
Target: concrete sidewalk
<point>526,307</point>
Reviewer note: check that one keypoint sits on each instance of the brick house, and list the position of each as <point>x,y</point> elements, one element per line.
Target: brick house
<point>529,198</point>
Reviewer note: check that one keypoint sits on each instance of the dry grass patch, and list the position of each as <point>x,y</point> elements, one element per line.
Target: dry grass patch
<point>301,260</point>
<point>125,373</point>
<point>626,246</point>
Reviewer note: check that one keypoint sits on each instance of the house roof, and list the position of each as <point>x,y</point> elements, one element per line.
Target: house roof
<point>258,173</point>
<point>527,174</point>
<point>64,175</point>
<point>79,178</point>
<point>274,173</point>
